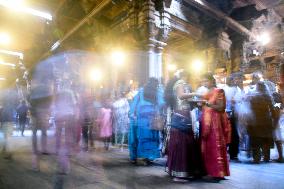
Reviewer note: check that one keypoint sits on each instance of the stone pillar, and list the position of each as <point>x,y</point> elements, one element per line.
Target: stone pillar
<point>159,63</point>
<point>220,52</point>
<point>152,27</point>
<point>151,60</point>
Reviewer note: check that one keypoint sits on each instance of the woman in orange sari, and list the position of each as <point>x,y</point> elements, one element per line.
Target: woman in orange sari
<point>215,132</point>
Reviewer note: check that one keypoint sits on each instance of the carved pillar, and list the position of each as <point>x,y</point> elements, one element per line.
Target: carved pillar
<point>220,52</point>
<point>152,27</point>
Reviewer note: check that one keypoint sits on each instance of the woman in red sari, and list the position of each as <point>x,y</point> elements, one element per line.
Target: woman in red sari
<point>215,132</point>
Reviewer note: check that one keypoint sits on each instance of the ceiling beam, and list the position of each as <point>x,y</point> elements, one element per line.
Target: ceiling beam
<point>209,9</point>
<point>97,9</point>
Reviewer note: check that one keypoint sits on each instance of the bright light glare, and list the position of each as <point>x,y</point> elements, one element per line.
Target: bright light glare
<point>2,79</point>
<point>13,53</point>
<point>6,64</point>
<point>199,1</point>
<point>118,58</point>
<point>18,5</point>
<point>96,75</point>
<point>37,13</point>
<point>171,67</point>
<point>263,38</point>
<point>55,45</point>
<point>4,38</point>
<point>197,65</point>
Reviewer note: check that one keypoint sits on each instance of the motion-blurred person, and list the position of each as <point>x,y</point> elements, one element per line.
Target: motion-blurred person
<point>231,90</point>
<point>144,142</point>
<point>120,118</point>
<point>182,151</point>
<point>87,121</point>
<point>261,127</point>
<point>242,113</point>
<point>64,115</point>
<point>277,135</point>
<point>215,132</point>
<point>104,122</point>
<point>40,99</point>
<point>22,111</point>
<point>170,101</point>
<point>7,120</point>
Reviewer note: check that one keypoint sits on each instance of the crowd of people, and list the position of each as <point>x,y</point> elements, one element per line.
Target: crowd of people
<point>194,130</point>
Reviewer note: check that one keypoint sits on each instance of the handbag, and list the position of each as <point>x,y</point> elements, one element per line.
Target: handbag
<point>157,122</point>
<point>181,122</point>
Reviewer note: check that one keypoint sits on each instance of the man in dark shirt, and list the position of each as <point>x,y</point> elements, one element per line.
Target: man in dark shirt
<point>261,127</point>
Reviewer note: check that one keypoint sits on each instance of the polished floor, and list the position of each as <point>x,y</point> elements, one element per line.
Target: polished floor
<point>111,170</point>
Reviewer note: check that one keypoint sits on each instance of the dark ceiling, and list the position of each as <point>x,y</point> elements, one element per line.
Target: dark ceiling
<point>34,36</point>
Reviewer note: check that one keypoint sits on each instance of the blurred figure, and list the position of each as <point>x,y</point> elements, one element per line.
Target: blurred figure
<point>182,151</point>
<point>120,118</point>
<point>104,123</point>
<point>231,91</point>
<point>242,113</point>
<point>277,135</point>
<point>261,127</point>
<point>40,99</point>
<point>215,132</point>
<point>22,111</point>
<point>97,105</point>
<point>87,121</point>
<point>7,120</point>
<point>252,86</point>
<point>64,115</point>
<point>170,99</point>
<point>144,144</point>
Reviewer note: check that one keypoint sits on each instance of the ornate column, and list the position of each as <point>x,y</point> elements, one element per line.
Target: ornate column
<point>220,52</point>
<point>152,26</point>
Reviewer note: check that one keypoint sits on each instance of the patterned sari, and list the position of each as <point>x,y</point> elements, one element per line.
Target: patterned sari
<point>215,132</point>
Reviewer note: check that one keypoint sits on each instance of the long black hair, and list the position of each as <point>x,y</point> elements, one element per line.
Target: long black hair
<point>150,90</point>
<point>169,95</point>
<point>210,77</point>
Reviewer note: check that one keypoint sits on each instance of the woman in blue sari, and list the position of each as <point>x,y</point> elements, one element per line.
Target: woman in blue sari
<point>144,142</point>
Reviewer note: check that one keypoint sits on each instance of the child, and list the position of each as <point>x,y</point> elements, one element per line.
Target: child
<point>104,123</point>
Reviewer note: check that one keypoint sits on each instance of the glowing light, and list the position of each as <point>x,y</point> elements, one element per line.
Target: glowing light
<point>118,58</point>
<point>131,82</point>
<point>18,5</point>
<point>6,64</point>
<point>263,38</point>
<point>197,65</point>
<point>12,4</point>
<point>171,67</point>
<point>2,79</point>
<point>55,45</point>
<point>4,38</point>
<point>96,75</point>
<point>13,53</point>
<point>199,1</point>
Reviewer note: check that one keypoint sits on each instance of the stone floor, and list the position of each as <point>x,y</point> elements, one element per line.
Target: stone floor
<point>100,169</point>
